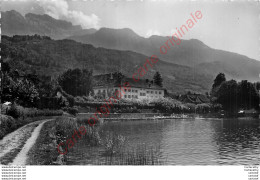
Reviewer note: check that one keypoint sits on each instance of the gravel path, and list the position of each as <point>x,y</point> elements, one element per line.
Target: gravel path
<point>20,140</point>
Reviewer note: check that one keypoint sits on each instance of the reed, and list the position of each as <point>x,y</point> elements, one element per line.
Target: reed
<point>65,127</point>
<point>141,155</point>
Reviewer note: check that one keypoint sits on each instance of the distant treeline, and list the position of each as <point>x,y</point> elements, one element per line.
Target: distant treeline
<point>18,38</point>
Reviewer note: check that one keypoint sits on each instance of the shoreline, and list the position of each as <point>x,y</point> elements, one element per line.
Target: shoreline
<point>156,116</point>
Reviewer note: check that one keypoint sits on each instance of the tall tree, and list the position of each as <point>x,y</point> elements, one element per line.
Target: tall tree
<point>227,96</point>
<point>257,85</point>
<point>76,82</point>
<point>220,78</point>
<point>157,78</point>
<point>248,95</point>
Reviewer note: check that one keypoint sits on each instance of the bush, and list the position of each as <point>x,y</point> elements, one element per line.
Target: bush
<point>79,99</point>
<point>18,111</point>
<point>71,110</point>
<point>69,97</point>
<point>167,105</point>
<point>13,111</point>
<point>7,125</point>
<point>128,110</point>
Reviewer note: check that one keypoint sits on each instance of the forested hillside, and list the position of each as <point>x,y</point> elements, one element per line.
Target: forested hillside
<point>44,56</point>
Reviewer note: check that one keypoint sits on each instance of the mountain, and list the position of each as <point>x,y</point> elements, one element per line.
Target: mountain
<point>235,66</point>
<point>13,23</point>
<point>193,53</point>
<point>42,55</point>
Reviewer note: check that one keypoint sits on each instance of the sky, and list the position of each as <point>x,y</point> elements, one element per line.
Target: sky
<point>231,26</point>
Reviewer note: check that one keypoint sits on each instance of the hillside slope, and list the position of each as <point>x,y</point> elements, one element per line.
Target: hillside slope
<point>52,57</point>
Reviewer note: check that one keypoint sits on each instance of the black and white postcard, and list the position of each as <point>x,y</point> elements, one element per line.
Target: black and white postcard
<point>103,84</point>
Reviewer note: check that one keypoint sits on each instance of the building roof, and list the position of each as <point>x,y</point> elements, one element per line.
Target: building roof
<point>116,79</point>
<point>142,83</point>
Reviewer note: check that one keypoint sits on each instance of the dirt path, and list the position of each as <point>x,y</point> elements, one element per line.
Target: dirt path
<point>15,146</point>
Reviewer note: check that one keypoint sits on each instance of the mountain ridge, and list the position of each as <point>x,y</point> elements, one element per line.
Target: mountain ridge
<point>13,23</point>
<point>192,53</point>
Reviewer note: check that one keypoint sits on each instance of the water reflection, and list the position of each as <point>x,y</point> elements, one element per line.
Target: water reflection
<point>183,141</point>
<point>238,142</point>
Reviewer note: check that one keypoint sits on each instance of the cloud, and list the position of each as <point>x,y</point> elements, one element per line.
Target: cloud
<point>173,31</point>
<point>59,9</point>
<point>152,32</point>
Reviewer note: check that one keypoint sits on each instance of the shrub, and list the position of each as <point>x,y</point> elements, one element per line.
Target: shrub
<point>13,111</point>
<point>72,110</point>
<point>167,105</point>
<point>79,99</point>
<point>7,125</point>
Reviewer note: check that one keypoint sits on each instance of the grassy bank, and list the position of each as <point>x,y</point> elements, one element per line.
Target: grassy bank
<point>16,141</point>
<point>59,131</point>
<point>55,132</point>
<point>44,152</point>
<point>9,124</point>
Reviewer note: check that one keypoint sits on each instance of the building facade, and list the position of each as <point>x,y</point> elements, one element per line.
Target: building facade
<point>107,84</point>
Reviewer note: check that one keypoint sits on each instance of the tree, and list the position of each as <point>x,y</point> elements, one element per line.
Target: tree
<point>248,95</point>
<point>22,91</point>
<point>257,85</point>
<point>76,82</point>
<point>227,96</point>
<point>234,96</point>
<point>157,78</point>
<point>220,78</point>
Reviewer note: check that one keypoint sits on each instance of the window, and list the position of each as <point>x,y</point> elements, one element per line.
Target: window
<point>136,91</point>
<point>125,96</point>
<point>151,92</point>
<point>136,96</point>
<point>129,96</point>
<point>147,92</point>
<point>142,94</point>
<point>129,90</point>
<point>133,90</point>
<point>133,96</point>
<point>99,91</point>
<point>104,91</point>
<point>160,92</point>
<point>155,92</point>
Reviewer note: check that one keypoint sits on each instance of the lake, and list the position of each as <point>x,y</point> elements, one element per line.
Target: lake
<point>182,141</point>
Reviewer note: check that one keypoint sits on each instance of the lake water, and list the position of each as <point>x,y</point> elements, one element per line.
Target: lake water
<point>183,141</point>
